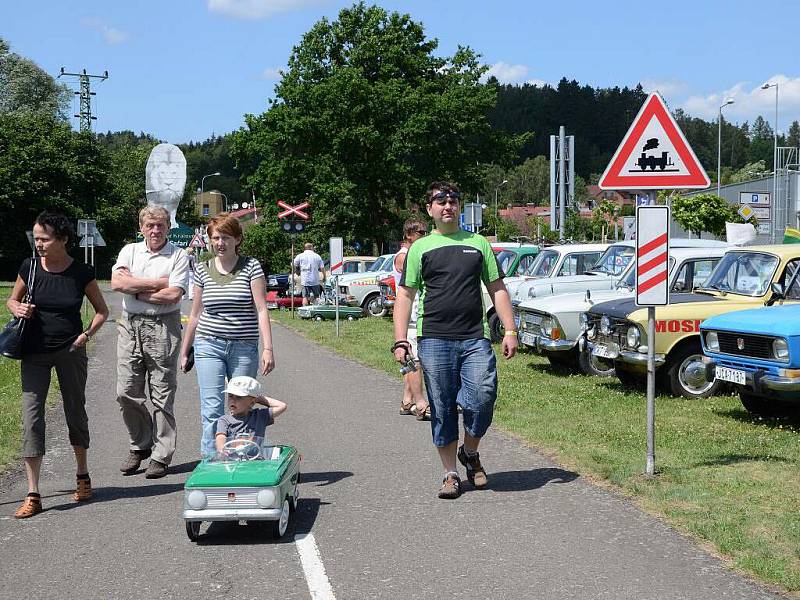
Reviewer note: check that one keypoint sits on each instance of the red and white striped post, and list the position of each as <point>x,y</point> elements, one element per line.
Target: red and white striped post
<point>652,289</point>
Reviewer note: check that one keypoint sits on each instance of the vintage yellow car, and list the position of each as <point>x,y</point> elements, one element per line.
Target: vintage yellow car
<point>617,330</point>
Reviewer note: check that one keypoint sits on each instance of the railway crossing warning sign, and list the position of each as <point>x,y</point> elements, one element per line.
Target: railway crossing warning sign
<point>654,154</point>
<point>652,255</point>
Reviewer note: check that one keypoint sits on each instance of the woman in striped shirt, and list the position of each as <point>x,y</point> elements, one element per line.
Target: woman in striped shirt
<point>229,315</point>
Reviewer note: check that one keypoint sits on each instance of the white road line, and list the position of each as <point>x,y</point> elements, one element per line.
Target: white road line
<point>314,570</point>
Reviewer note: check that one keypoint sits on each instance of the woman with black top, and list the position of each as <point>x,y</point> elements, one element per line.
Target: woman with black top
<point>55,337</point>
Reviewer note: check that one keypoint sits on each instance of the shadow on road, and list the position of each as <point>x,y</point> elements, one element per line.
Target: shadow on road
<point>110,493</point>
<point>324,478</point>
<point>227,533</point>
<point>520,481</point>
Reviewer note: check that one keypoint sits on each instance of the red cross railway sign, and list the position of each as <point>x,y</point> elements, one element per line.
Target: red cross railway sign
<point>293,211</point>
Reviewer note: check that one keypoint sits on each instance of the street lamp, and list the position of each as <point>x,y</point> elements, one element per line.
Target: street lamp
<point>719,141</point>
<point>766,86</point>
<point>225,198</point>
<point>505,181</point>
<point>203,179</point>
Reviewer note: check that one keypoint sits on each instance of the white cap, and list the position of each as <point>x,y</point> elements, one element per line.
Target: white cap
<point>244,386</point>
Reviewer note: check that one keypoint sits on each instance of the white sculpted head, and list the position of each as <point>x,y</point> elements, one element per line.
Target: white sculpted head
<point>165,178</point>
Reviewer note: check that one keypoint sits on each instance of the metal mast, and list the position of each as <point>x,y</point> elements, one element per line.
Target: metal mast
<point>85,93</point>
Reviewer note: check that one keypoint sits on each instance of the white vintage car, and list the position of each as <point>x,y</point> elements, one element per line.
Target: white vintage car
<point>551,325</point>
<point>362,289</point>
<point>555,261</point>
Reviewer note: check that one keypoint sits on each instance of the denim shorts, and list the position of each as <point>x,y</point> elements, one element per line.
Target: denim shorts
<point>459,373</point>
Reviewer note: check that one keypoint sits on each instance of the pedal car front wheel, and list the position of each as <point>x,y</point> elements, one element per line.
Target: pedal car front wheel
<point>193,530</point>
<point>280,526</point>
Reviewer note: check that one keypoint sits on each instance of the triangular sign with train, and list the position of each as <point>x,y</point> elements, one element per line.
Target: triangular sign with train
<point>654,154</point>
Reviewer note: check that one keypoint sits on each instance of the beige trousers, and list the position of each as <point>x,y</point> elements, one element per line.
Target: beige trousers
<point>147,367</point>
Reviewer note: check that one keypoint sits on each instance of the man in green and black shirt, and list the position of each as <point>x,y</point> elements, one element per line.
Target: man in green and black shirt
<point>447,267</point>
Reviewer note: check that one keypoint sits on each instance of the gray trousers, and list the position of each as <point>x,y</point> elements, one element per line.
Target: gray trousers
<point>147,367</point>
<point>35,371</point>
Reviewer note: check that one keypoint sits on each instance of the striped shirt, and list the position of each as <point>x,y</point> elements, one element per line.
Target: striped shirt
<point>228,308</point>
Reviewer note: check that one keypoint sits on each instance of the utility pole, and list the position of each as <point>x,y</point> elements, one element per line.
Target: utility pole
<point>85,93</point>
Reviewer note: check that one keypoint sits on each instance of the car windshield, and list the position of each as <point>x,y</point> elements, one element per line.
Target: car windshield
<point>244,447</point>
<point>544,264</point>
<point>746,273</point>
<point>505,258</point>
<point>378,264</point>
<point>614,260</point>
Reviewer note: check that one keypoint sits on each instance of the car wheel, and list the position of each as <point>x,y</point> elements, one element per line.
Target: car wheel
<point>318,318</point>
<point>351,318</point>
<point>589,364</point>
<point>496,329</point>
<point>766,407</point>
<point>686,374</point>
<point>193,530</point>
<point>374,307</point>
<point>280,526</point>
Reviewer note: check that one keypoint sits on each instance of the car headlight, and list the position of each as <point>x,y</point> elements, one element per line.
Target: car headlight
<point>196,500</point>
<point>633,337</point>
<point>266,498</point>
<point>605,325</point>
<point>531,292</point>
<point>712,341</point>
<point>583,319</point>
<point>780,349</point>
<point>272,281</point>
<point>547,326</point>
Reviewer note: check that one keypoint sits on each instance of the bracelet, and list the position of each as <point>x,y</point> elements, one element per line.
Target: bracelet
<point>401,344</point>
<point>87,334</point>
<point>268,350</point>
<point>511,332</point>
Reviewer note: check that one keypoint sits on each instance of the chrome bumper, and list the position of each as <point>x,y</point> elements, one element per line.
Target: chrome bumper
<point>540,342</point>
<point>628,356</point>
<point>231,514</point>
<point>759,379</point>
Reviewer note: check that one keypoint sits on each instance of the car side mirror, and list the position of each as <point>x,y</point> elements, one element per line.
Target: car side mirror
<point>778,293</point>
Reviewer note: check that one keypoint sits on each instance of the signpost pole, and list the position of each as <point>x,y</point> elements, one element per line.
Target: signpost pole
<point>291,276</point>
<point>651,391</point>
<point>336,301</point>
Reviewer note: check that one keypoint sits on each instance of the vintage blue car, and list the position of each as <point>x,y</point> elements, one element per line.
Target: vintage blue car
<point>757,350</point>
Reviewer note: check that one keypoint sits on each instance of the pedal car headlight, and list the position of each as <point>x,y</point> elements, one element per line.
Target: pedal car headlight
<point>196,500</point>
<point>266,498</point>
<point>633,336</point>
<point>780,349</point>
<point>712,341</point>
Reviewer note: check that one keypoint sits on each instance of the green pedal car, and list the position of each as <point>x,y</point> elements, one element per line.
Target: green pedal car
<point>327,312</point>
<point>246,482</point>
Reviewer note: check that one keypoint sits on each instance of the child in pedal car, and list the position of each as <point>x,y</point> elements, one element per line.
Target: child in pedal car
<point>244,421</point>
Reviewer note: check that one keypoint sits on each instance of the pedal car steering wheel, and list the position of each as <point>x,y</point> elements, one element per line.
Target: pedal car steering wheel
<point>240,448</point>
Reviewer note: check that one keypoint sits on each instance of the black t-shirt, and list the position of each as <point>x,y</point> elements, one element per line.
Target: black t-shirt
<point>58,297</point>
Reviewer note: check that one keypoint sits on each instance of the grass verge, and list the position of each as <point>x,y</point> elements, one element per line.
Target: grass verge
<point>726,478</point>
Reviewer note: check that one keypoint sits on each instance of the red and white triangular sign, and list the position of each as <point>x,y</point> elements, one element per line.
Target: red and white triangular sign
<point>654,154</point>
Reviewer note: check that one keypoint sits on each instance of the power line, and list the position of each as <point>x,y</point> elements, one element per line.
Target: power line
<point>85,93</point>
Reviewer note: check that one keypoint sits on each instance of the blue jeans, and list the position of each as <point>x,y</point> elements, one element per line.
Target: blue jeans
<point>458,373</point>
<point>218,359</point>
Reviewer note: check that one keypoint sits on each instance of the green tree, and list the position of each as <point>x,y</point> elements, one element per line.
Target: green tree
<point>365,116</point>
<point>703,212</point>
<point>26,88</point>
<point>793,137</point>
<point>748,172</point>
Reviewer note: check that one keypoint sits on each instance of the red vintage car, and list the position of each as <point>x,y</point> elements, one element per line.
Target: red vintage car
<point>276,301</point>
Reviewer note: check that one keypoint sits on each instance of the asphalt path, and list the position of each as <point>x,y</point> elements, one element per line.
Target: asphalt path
<point>368,515</point>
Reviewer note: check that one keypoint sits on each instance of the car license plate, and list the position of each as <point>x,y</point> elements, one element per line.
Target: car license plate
<point>527,338</point>
<point>731,375</point>
<point>604,351</point>
<point>272,305</point>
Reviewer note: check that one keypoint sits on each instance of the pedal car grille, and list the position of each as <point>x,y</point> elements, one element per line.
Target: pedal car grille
<point>232,498</point>
<point>754,346</point>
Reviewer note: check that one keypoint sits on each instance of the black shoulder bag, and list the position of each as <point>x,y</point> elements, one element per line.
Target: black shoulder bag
<point>12,335</point>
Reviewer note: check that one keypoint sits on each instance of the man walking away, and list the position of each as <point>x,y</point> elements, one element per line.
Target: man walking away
<point>447,267</point>
<point>153,275</point>
<point>308,264</point>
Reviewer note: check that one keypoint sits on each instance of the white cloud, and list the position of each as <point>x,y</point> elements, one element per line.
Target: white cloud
<point>257,9</point>
<point>271,73</point>
<point>750,101</point>
<point>668,88</point>
<point>537,82</point>
<point>111,35</point>
<point>506,73</point>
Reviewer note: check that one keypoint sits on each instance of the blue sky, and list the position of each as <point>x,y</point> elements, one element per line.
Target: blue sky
<point>184,69</point>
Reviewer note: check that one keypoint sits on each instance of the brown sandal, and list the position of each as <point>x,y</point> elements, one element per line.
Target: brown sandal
<point>83,489</point>
<point>32,505</point>
<point>425,415</point>
<point>405,409</point>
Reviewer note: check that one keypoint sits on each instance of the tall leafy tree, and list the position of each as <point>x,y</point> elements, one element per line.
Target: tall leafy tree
<point>364,117</point>
<point>26,88</point>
